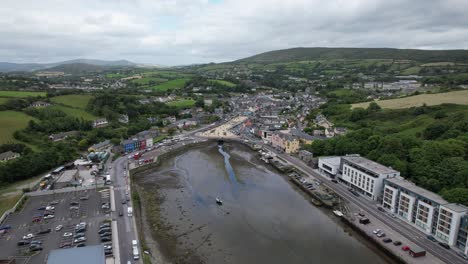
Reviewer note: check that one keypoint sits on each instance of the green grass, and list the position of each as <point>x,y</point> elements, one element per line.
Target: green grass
<point>147,80</point>
<point>74,112</point>
<point>411,70</point>
<point>183,103</point>
<point>11,121</point>
<point>73,100</point>
<point>7,202</point>
<point>223,82</point>
<point>21,94</point>
<point>159,138</point>
<point>342,92</point>
<point>169,85</point>
<point>3,100</point>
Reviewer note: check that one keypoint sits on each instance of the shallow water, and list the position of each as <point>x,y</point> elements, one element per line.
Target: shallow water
<point>262,219</point>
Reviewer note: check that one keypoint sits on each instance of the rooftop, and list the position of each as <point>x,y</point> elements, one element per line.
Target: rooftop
<point>410,186</point>
<point>67,176</point>
<point>334,160</point>
<point>459,208</point>
<point>369,164</point>
<point>88,255</point>
<point>7,154</point>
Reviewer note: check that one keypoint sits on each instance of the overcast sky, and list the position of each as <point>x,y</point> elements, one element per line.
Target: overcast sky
<point>174,32</point>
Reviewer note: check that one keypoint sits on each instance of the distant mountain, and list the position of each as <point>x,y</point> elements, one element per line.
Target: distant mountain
<point>301,54</point>
<point>11,67</point>
<point>77,68</point>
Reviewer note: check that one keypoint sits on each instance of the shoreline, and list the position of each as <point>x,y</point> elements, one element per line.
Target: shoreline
<point>161,229</point>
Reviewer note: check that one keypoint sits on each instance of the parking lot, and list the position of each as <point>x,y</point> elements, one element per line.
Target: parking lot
<point>52,222</point>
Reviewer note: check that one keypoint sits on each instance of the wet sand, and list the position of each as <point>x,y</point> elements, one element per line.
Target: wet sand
<point>262,219</point>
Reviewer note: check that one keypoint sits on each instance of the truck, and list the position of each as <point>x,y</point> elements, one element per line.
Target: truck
<point>130,211</point>
<point>137,156</point>
<point>108,179</point>
<point>136,254</point>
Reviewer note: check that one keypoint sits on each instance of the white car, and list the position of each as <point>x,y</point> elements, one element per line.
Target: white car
<point>67,234</point>
<point>80,239</point>
<point>58,228</point>
<point>49,216</point>
<point>376,231</point>
<point>50,208</point>
<point>28,236</point>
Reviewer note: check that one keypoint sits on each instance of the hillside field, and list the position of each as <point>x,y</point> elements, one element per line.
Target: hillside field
<point>183,103</point>
<point>73,100</point>
<point>3,100</point>
<point>75,112</point>
<point>11,121</point>
<point>456,97</point>
<point>172,84</point>
<point>21,94</point>
<point>223,82</point>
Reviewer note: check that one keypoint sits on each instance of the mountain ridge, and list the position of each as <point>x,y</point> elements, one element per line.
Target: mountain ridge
<point>28,67</point>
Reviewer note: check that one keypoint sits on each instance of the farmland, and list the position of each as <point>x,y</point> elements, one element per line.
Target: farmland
<point>149,80</point>
<point>457,97</point>
<point>73,100</point>
<point>3,100</point>
<point>11,121</point>
<point>74,112</point>
<point>223,82</point>
<point>172,84</point>
<point>21,94</point>
<point>183,103</point>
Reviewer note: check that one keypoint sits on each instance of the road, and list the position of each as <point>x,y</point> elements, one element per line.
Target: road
<point>125,224</point>
<point>409,231</point>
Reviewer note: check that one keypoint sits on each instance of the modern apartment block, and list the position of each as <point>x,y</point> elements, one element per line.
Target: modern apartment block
<point>365,176</point>
<point>427,211</point>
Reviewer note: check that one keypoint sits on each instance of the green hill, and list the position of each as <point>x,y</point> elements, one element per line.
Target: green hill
<point>77,68</point>
<point>303,54</point>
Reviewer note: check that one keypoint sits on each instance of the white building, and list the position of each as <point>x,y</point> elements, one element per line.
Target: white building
<point>329,165</point>
<point>427,211</point>
<point>365,176</point>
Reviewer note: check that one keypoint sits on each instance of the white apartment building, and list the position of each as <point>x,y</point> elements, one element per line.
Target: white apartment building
<point>427,211</point>
<point>365,176</point>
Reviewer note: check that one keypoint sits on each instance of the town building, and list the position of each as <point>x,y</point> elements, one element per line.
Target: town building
<point>39,104</point>
<point>68,178</point>
<point>100,122</point>
<point>9,155</point>
<point>285,142</point>
<point>123,119</point>
<point>77,255</point>
<point>306,156</point>
<point>140,141</point>
<point>329,166</point>
<point>427,211</point>
<point>63,135</point>
<point>101,146</point>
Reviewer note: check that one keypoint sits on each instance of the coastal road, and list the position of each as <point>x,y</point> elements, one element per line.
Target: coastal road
<point>125,224</point>
<point>405,229</point>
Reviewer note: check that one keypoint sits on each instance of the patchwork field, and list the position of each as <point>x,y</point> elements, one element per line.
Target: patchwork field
<point>75,112</point>
<point>21,94</point>
<point>149,80</point>
<point>73,100</point>
<point>183,103</point>
<point>457,97</point>
<point>223,82</point>
<point>3,100</point>
<point>172,84</point>
<point>11,121</point>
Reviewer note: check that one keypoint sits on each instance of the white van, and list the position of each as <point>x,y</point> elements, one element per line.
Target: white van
<point>136,254</point>
<point>134,243</point>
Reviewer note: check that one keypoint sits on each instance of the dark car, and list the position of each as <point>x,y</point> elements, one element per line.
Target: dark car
<point>386,240</point>
<point>103,225</point>
<point>431,238</point>
<point>77,235</point>
<point>104,230</point>
<point>23,242</point>
<point>41,208</point>
<point>74,203</point>
<point>105,234</point>
<point>120,213</point>
<point>35,248</point>
<point>335,181</point>
<point>65,245</point>
<point>80,245</point>
<point>5,227</point>
<point>396,243</point>
<point>45,231</point>
<point>380,209</point>
<point>106,239</point>
<point>124,201</point>
<point>444,245</point>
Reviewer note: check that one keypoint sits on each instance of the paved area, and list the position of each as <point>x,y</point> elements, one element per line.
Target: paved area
<point>87,209</point>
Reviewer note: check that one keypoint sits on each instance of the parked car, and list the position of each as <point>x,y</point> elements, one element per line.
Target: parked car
<point>44,231</point>
<point>376,231</point>
<point>74,207</point>
<point>405,248</point>
<point>381,234</point>
<point>28,236</point>
<point>65,245</point>
<point>431,238</point>
<point>37,242</point>
<point>462,255</point>
<point>5,227</point>
<point>79,240</point>
<point>23,242</point>
<point>81,245</point>
<point>42,208</point>
<point>380,209</point>
<point>35,247</point>
<point>444,245</point>
<point>396,243</point>
<point>106,239</point>
<point>86,197</point>
<point>54,202</point>
<point>58,228</point>
<point>67,234</point>
<point>107,245</point>
<point>104,225</point>
<point>49,216</point>
<point>77,235</point>
<point>386,240</point>
<point>74,203</point>
<point>105,234</point>
<point>335,181</point>
<point>120,213</point>
<point>104,230</point>
<point>124,201</point>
